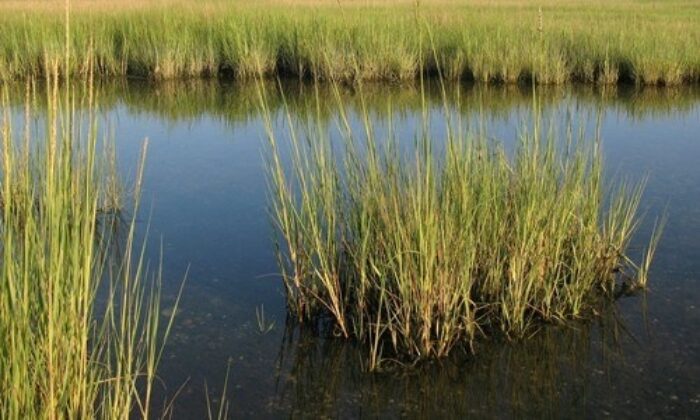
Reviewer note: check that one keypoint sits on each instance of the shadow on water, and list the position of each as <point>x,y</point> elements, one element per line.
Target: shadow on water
<point>547,375</point>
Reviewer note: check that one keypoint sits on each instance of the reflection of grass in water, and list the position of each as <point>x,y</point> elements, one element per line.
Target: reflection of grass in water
<point>414,251</point>
<point>631,41</point>
<point>63,352</point>
<point>547,375</point>
<point>236,103</point>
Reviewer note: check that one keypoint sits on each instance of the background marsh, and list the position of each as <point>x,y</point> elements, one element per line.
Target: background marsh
<point>489,41</point>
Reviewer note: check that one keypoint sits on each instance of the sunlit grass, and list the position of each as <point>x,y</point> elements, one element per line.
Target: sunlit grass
<point>506,42</point>
<point>80,328</point>
<point>418,245</point>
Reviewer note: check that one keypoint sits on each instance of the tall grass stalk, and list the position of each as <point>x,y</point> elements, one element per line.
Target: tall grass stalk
<point>416,247</point>
<point>643,270</point>
<point>80,333</point>
<point>222,412</point>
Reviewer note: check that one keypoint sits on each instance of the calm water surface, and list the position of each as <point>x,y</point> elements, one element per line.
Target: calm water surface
<point>205,196</point>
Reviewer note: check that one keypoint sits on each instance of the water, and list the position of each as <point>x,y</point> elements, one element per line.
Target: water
<point>205,199</point>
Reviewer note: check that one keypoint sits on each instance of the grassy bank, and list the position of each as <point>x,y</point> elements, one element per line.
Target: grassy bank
<point>79,321</point>
<point>416,246</point>
<point>500,41</point>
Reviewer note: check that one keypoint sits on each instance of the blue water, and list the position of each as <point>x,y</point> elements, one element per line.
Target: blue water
<point>205,199</point>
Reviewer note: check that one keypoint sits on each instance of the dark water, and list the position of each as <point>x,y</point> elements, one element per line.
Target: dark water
<point>205,191</point>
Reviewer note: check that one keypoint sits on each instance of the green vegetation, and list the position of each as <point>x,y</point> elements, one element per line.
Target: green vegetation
<point>79,313</point>
<point>415,248</point>
<point>489,41</point>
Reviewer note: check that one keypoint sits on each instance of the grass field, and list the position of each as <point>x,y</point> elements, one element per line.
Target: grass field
<point>549,42</point>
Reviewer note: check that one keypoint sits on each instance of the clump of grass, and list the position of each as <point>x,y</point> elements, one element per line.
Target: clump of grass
<point>415,247</point>
<point>80,331</point>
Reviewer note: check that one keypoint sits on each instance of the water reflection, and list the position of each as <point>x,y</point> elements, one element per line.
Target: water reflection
<point>547,375</point>
<point>233,103</point>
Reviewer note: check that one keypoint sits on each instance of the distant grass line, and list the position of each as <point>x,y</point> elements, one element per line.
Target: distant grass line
<point>650,43</point>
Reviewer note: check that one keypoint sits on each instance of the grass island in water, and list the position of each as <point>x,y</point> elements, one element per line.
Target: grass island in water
<point>414,250</point>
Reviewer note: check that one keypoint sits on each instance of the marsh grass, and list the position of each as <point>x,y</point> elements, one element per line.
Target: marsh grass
<point>546,42</point>
<point>80,333</point>
<point>417,246</point>
<point>643,269</point>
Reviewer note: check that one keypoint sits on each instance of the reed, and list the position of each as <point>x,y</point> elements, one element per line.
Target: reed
<point>643,269</point>
<point>80,329</point>
<point>548,42</point>
<point>417,246</point>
